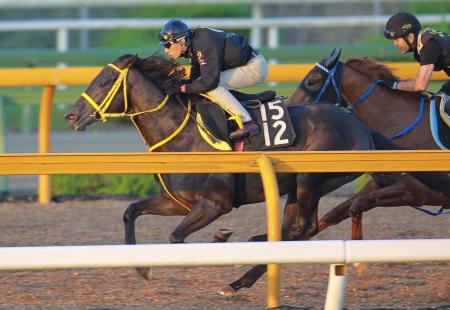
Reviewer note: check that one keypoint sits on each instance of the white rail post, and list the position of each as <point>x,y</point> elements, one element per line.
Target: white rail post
<point>336,287</point>
<point>272,37</point>
<point>256,31</point>
<point>62,40</point>
<point>84,33</point>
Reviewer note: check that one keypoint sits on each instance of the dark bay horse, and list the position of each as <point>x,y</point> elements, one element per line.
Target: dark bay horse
<point>394,114</point>
<point>132,87</point>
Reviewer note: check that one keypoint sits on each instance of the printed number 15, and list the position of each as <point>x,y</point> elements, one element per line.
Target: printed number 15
<point>277,114</point>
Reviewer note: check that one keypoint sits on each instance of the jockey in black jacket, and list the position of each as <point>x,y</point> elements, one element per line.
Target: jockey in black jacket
<point>431,49</point>
<point>220,61</point>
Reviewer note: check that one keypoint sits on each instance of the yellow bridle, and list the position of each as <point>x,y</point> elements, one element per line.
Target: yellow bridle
<point>104,105</point>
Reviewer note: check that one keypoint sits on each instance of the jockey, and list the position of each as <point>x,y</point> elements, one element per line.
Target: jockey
<point>431,49</point>
<point>220,61</point>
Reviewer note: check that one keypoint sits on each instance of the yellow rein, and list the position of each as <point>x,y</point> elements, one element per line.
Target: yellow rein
<point>104,105</point>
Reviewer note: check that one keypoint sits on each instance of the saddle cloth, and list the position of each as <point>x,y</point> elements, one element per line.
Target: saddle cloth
<point>268,111</point>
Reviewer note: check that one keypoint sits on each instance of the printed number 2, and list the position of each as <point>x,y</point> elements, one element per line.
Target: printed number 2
<point>276,116</point>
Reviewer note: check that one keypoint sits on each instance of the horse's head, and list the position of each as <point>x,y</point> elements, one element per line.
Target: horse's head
<point>322,83</point>
<point>343,84</point>
<point>105,95</point>
<point>125,86</point>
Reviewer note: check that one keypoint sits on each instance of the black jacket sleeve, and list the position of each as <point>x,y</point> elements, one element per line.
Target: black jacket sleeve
<point>208,53</point>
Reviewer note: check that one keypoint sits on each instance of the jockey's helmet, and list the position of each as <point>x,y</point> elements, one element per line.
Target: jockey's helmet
<point>400,25</point>
<point>174,30</point>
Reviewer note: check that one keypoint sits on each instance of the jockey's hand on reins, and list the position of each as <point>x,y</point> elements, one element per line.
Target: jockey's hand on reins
<point>389,82</point>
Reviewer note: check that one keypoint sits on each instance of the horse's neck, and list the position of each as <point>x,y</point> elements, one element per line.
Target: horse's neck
<point>157,126</point>
<point>384,110</point>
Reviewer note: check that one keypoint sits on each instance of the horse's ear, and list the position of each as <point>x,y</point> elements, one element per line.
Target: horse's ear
<point>333,58</point>
<point>332,52</point>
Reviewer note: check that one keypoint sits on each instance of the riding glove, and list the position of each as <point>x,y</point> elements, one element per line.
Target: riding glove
<point>389,82</point>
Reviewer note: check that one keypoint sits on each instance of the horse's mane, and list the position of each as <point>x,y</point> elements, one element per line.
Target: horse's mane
<point>369,67</point>
<point>374,70</point>
<point>161,70</point>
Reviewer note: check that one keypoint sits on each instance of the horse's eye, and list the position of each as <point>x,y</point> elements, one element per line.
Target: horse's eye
<point>313,82</point>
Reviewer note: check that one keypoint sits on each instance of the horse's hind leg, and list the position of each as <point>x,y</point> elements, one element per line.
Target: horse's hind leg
<point>156,205</point>
<point>293,216</point>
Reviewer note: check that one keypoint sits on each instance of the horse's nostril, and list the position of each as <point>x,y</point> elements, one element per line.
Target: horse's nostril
<point>70,117</point>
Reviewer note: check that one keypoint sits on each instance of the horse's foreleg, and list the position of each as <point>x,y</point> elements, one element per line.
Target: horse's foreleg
<point>335,215</point>
<point>157,205</point>
<point>202,214</point>
<point>342,211</point>
<point>357,229</point>
<point>392,195</point>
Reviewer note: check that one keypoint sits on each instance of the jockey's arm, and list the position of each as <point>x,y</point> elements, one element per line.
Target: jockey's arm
<point>420,83</point>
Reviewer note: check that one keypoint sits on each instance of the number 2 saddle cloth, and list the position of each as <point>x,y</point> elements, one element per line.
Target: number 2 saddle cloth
<point>267,110</point>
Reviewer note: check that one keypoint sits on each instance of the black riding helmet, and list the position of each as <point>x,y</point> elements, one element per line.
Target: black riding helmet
<point>400,25</point>
<point>173,30</point>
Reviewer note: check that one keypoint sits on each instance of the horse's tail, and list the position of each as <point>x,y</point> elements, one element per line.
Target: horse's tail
<point>383,143</point>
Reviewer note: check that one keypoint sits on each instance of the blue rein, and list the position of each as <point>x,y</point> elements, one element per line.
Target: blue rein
<point>432,213</point>
<point>413,124</point>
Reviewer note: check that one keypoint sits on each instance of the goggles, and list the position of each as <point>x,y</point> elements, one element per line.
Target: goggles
<point>166,38</point>
<point>390,35</point>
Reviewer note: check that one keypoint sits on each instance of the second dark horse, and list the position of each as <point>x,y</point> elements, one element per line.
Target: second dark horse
<point>206,197</point>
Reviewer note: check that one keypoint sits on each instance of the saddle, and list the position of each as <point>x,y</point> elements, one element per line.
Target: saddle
<point>267,110</point>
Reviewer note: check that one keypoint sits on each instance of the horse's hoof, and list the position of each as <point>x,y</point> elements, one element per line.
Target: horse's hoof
<point>223,234</point>
<point>360,268</point>
<point>144,272</point>
<point>228,291</point>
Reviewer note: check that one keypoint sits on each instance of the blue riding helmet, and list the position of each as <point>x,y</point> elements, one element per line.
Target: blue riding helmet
<point>174,30</point>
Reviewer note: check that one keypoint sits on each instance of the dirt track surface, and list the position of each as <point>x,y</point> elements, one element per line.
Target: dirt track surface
<point>95,222</point>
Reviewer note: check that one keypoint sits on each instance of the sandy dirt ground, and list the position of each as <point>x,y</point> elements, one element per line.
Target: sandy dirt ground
<point>95,222</point>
